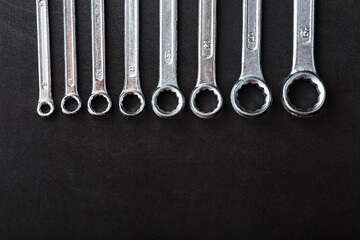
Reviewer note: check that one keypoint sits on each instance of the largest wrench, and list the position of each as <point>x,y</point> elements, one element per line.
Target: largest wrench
<point>303,59</point>
<point>45,105</point>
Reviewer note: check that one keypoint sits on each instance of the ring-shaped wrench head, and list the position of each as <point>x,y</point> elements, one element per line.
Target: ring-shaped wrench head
<point>78,104</point>
<point>43,103</point>
<point>94,95</point>
<point>141,99</point>
<point>320,88</point>
<point>168,114</point>
<point>196,110</point>
<point>262,85</point>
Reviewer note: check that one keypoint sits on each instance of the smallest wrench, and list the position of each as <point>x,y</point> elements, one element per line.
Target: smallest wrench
<point>251,61</point>
<point>206,80</point>
<point>45,105</point>
<point>132,74</point>
<point>303,59</point>
<point>168,59</point>
<point>71,86</point>
<point>98,58</point>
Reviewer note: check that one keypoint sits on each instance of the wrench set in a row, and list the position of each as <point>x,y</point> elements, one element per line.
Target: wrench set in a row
<point>303,59</point>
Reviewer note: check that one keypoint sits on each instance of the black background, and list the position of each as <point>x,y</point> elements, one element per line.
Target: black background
<point>83,177</point>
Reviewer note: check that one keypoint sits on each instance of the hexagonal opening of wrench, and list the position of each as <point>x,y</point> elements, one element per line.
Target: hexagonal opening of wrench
<point>251,97</point>
<point>303,94</point>
<point>131,103</point>
<point>167,100</point>
<point>206,101</point>
<point>71,104</point>
<point>45,108</point>
<point>99,104</point>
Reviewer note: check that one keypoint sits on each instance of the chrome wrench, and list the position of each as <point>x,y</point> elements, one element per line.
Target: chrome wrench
<point>71,80</point>
<point>168,59</point>
<point>251,60</point>
<point>206,80</point>
<point>132,74</point>
<point>303,58</point>
<point>98,58</point>
<point>43,38</point>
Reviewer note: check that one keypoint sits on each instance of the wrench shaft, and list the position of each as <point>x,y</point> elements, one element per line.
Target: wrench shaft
<point>132,76</point>
<point>168,42</point>
<point>207,42</point>
<point>251,46</point>
<point>304,12</point>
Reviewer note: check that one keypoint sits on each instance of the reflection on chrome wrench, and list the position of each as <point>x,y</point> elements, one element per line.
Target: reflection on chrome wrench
<point>303,59</point>
<point>98,56</point>
<point>132,74</point>
<point>45,105</point>
<point>251,61</point>
<point>71,86</point>
<point>207,49</point>
<point>168,59</point>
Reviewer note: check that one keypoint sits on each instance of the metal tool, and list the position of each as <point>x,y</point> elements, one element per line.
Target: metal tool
<point>71,80</point>
<point>303,59</point>
<point>45,105</point>
<point>251,60</point>
<point>207,49</point>
<point>132,74</point>
<point>168,59</point>
<point>98,56</point>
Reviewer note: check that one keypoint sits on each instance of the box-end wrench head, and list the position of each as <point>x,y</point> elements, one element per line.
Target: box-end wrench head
<point>71,86</point>
<point>132,74</point>
<point>303,59</point>
<point>168,59</point>
<point>207,50</point>
<point>45,106</point>
<point>98,56</point>
<point>251,60</point>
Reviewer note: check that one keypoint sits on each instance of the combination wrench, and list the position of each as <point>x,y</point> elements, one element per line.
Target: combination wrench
<point>206,80</point>
<point>303,58</point>
<point>71,80</point>
<point>132,73</point>
<point>168,59</point>
<point>98,58</point>
<point>251,60</point>
<point>45,105</point>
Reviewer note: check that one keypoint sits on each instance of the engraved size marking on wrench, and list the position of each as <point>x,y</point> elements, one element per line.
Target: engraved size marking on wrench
<point>206,67</point>
<point>98,56</point>
<point>132,74</point>
<point>43,38</point>
<point>71,88</point>
<point>168,59</point>
<point>303,58</point>
<point>251,72</point>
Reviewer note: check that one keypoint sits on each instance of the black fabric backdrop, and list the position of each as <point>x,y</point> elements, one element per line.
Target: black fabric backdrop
<point>83,177</point>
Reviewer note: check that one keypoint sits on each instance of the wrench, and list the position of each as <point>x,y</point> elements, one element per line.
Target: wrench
<point>168,58</point>
<point>43,36</point>
<point>251,60</point>
<point>98,57</point>
<point>132,74</point>
<point>303,59</point>
<point>206,80</point>
<point>71,86</point>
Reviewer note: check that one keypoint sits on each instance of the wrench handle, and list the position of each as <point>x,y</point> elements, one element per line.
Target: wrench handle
<point>98,45</point>
<point>168,42</point>
<point>132,75</point>
<point>43,50</point>
<point>251,42</point>
<point>70,48</point>
<point>207,42</point>
<point>304,19</point>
